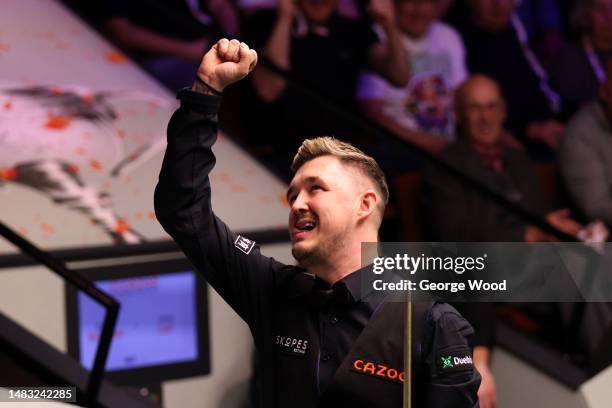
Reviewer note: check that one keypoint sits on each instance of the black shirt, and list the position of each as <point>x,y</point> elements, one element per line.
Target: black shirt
<point>340,348</point>
<point>327,63</point>
<point>500,56</point>
<point>342,313</point>
<point>575,77</point>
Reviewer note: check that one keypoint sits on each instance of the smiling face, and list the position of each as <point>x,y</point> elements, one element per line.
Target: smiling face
<point>480,110</point>
<point>324,197</point>
<point>415,17</point>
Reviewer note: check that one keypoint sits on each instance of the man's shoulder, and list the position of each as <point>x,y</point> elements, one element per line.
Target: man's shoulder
<point>444,312</point>
<point>447,327</point>
<point>588,123</point>
<point>445,34</point>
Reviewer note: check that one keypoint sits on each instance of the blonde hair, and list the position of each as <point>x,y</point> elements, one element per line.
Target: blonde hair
<point>346,153</point>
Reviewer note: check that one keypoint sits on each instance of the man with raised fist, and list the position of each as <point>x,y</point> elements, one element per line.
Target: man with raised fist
<point>320,339</point>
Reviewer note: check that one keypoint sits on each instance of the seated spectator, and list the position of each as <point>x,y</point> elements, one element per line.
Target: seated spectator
<point>497,45</point>
<point>421,111</point>
<point>481,153</point>
<point>585,156</point>
<point>457,213</point>
<point>168,38</point>
<point>325,52</point>
<point>580,68</point>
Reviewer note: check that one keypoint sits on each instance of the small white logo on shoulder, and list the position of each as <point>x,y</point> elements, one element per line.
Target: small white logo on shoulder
<point>244,244</point>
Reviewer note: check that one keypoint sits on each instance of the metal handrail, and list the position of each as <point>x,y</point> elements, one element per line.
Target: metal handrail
<point>110,304</point>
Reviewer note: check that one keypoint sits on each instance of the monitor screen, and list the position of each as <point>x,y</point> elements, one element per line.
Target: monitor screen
<point>159,326</point>
<point>147,333</point>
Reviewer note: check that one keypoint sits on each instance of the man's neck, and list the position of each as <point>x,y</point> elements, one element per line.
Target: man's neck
<point>341,264</point>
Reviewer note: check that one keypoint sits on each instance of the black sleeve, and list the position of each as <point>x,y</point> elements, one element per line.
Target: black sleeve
<point>231,264</point>
<point>453,380</point>
<point>482,318</point>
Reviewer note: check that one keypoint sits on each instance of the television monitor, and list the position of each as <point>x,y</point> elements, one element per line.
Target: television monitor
<point>162,326</point>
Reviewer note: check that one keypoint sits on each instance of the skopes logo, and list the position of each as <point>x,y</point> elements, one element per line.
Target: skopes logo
<point>291,345</point>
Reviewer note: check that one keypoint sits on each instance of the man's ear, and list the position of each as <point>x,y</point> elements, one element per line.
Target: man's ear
<point>368,202</point>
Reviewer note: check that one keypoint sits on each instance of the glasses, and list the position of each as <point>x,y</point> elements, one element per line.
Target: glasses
<point>494,107</point>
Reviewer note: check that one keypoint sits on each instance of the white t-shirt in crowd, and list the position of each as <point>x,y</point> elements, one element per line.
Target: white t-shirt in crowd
<point>438,66</point>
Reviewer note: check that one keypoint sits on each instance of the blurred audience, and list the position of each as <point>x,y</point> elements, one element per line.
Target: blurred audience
<point>325,52</point>
<point>544,26</point>
<point>580,68</point>
<point>585,156</point>
<point>346,8</point>
<point>167,37</point>
<point>543,21</point>
<point>421,111</point>
<point>497,45</point>
<point>481,153</point>
<point>457,213</point>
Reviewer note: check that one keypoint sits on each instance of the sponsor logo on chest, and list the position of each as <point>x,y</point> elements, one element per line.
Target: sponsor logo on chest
<point>291,345</point>
<point>378,370</point>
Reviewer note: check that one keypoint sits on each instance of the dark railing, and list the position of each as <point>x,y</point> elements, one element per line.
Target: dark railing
<point>110,304</point>
<point>271,236</point>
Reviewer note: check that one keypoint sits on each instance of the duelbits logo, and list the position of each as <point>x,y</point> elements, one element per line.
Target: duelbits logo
<point>447,362</point>
<point>454,361</point>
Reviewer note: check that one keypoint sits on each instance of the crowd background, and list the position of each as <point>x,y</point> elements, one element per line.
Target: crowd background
<point>515,93</point>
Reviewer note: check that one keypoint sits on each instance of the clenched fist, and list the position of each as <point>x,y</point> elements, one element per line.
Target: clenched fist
<point>226,62</point>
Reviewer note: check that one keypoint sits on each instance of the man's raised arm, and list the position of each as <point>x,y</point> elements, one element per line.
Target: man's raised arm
<point>183,194</point>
